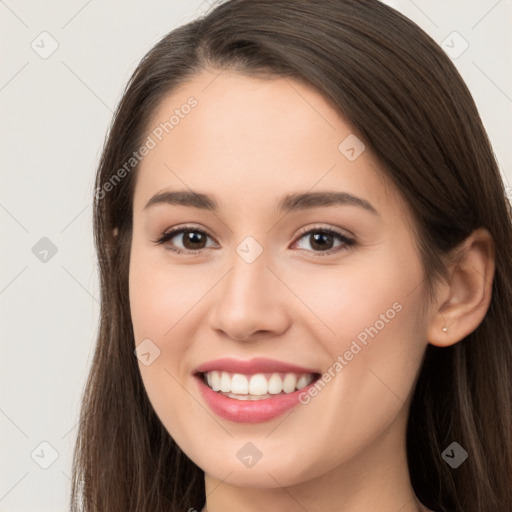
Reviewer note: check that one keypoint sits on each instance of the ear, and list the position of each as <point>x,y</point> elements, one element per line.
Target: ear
<point>463,300</point>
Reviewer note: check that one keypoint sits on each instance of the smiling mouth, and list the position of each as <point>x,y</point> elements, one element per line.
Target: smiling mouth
<point>257,386</point>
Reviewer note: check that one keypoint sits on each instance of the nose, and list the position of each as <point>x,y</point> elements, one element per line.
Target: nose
<point>250,302</point>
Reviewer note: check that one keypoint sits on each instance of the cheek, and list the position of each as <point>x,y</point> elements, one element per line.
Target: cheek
<point>160,302</point>
<point>368,319</point>
<point>375,295</point>
<point>161,296</point>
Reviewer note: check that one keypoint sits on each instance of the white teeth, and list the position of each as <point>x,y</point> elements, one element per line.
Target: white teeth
<point>225,382</point>
<point>215,377</point>
<point>239,384</point>
<point>247,397</point>
<point>275,384</point>
<point>303,381</point>
<point>257,385</point>
<point>289,383</point>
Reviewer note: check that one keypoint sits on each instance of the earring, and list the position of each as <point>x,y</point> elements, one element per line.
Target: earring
<point>445,328</point>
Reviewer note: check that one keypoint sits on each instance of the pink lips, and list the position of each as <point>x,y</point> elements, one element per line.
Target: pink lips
<point>250,411</point>
<point>256,365</point>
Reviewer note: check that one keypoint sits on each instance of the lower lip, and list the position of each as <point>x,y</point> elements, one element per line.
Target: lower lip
<point>249,411</point>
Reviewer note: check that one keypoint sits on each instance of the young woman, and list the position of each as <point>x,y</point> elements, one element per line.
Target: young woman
<point>304,249</point>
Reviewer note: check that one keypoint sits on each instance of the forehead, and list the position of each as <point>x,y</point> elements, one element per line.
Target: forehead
<point>223,132</point>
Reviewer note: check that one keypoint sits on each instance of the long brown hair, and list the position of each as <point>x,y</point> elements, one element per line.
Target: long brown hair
<point>404,96</point>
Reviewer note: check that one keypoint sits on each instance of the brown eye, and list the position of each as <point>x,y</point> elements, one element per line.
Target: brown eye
<point>324,241</point>
<point>193,240</point>
<point>187,239</point>
<point>321,241</point>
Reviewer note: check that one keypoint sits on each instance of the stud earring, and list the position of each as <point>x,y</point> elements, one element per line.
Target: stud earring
<point>445,328</point>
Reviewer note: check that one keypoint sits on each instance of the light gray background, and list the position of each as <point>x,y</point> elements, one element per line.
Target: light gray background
<point>54,115</point>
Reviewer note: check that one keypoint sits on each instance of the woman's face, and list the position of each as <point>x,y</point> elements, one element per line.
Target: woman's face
<point>330,284</point>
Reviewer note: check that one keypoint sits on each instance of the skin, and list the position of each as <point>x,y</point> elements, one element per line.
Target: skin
<point>248,143</point>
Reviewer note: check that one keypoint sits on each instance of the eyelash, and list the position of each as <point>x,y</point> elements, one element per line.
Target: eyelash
<point>168,235</point>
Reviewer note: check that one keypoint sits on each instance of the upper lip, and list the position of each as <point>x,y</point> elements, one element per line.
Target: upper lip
<point>256,365</point>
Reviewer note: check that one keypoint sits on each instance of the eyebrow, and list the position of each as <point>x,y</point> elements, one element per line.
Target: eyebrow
<point>290,202</point>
